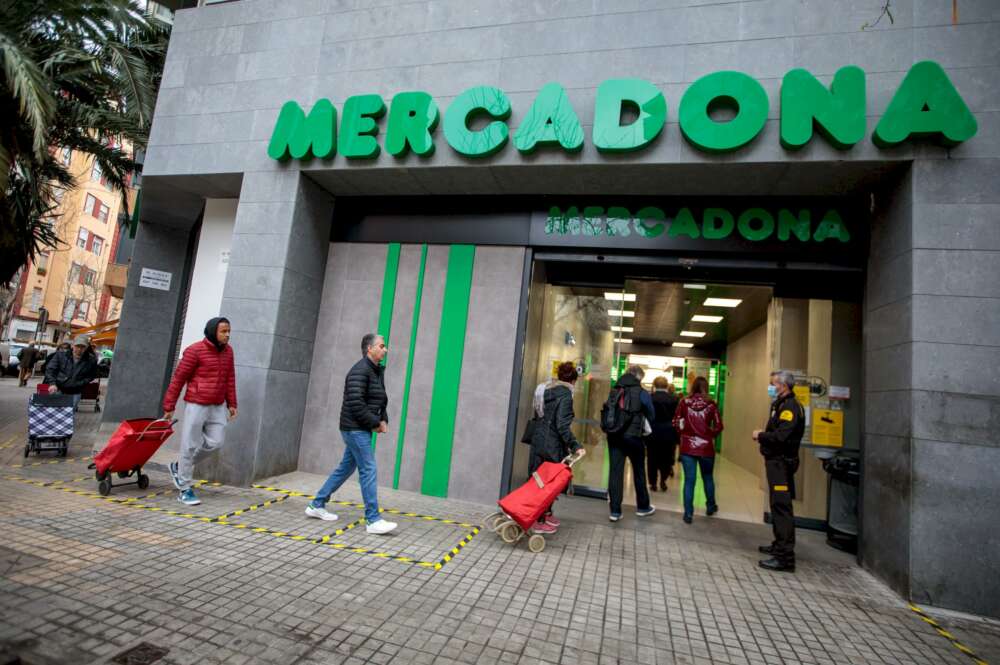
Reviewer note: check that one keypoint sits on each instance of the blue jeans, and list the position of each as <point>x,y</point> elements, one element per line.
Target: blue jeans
<point>690,464</point>
<point>357,455</point>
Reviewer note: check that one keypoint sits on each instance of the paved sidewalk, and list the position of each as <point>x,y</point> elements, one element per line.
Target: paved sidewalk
<point>246,578</point>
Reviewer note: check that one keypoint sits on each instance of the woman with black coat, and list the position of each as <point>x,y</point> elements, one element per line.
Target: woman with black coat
<point>553,439</point>
<point>661,445</point>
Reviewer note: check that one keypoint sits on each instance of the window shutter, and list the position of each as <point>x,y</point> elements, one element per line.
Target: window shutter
<point>90,241</point>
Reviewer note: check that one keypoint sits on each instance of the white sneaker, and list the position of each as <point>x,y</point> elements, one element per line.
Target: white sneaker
<point>320,513</point>
<point>380,528</point>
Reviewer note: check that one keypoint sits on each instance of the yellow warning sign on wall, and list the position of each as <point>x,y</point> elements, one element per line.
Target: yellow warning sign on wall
<point>828,428</point>
<point>802,395</point>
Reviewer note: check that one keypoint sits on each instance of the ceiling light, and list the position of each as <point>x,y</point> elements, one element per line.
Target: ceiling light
<point>703,318</point>
<point>622,340</point>
<point>722,302</point>
<point>691,333</point>
<point>622,312</point>
<point>683,345</point>
<point>627,297</point>
<point>622,329</point>
<point>700,287</point>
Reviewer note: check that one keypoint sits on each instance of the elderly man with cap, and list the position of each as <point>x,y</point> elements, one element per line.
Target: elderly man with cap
<point>69,371</point>
<point>208,369</point>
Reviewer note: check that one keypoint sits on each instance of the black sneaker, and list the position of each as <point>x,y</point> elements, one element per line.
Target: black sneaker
<point>687,519</point>
<point>711,511</point>
<point>777,566</point>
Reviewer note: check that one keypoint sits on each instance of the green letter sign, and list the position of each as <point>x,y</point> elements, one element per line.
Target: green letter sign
<point>300,137</point>
<point>839,113</point>
<point>475,101</point>
<point>734,88</point>
<point>551,120</point>
<point>358,127</point>
<point>412,118</point>
<point>926,104</point>
<point>612,95</point>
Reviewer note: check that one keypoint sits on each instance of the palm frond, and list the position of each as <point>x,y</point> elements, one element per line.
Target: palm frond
<point>27,84</point>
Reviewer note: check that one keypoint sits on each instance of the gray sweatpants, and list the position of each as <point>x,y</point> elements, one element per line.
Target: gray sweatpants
<point>202,432</point>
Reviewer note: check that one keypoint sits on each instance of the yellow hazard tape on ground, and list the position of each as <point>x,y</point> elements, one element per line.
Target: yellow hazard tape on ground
<point>12,442</point>
<point>351,504</point>
<point>325,541</point>
<point>948,636</point>
<point>57,460</point>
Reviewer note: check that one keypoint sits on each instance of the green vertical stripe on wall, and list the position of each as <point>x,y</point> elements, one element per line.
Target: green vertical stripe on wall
<point>448,370</point>
<point>388,298</point>
<point>404,409</point>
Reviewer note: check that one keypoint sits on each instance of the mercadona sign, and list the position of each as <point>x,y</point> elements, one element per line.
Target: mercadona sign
<point>925,104</point>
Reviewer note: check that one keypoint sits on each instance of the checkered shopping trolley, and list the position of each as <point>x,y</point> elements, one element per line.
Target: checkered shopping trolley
<point>50,423</point>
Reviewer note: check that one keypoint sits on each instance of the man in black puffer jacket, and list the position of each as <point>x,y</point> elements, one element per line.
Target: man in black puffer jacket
<point>362,412</point>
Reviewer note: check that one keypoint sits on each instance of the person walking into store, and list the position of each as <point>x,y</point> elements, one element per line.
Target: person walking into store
<point>26,358</point>
<point>627,444</point>
<point>363,412</point>
<point>661,444</point>
<point>553,439</point>
<point>698,422</point>
<point>69,371</point>
<point>208,369</point>
<point>779,445</point>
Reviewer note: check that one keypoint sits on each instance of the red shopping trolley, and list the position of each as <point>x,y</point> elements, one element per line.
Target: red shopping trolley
<point>129,448</point>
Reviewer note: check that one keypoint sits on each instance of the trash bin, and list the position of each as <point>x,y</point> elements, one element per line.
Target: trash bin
<point>842,500</point>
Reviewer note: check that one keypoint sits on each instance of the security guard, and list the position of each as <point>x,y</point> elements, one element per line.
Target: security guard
<point>779,444</point>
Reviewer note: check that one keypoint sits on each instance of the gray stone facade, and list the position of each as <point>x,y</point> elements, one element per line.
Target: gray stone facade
<point>932,392</point>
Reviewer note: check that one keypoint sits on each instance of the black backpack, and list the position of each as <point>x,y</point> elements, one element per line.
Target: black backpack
<point>616,412</point>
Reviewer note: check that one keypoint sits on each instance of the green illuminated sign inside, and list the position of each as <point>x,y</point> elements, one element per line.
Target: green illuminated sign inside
<point>926,104</point>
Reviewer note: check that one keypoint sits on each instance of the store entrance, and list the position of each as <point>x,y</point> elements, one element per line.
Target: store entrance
<point>728,332</point>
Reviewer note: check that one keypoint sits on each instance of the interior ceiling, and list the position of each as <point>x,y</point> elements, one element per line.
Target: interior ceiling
<point>664,309</point>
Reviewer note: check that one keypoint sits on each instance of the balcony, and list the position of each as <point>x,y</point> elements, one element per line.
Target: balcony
<point>116,278</point>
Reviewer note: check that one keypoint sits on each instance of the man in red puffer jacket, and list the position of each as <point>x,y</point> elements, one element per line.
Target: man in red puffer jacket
<point>208,370</point>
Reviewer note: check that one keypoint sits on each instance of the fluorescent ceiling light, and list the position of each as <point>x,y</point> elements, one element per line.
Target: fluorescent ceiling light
<point>622,312</point>
<point>622,340</point>
<point>722,302</point>
<point>691,333</point>
<point>683,345</point>
<point>703,318</point>
<point>627,297</point>
<point>622,329</point>
<point>699,287</point>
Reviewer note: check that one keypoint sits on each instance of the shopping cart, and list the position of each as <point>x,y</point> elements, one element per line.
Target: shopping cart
<point>128,449</point>
<point>50,423</point>
<point>520,509</point>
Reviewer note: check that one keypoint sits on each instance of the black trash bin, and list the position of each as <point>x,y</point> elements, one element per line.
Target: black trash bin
<point>842,500</point>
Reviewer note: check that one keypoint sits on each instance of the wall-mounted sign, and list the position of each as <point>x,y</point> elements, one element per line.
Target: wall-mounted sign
<point>925,104</point>
<point>828,428</point>
<point>155,279</point>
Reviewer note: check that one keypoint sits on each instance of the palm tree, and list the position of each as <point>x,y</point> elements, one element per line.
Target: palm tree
<point>78,74</point>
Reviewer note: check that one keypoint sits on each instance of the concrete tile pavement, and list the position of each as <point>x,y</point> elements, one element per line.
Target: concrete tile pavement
<point>84,578</point>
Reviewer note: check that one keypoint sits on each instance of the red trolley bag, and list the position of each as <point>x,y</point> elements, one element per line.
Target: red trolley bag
<point>129,448</point>
<point>530,501</point>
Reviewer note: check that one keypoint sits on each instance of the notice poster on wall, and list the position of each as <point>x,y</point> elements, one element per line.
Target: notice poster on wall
<point>155,279</point>
<point>828,428</point>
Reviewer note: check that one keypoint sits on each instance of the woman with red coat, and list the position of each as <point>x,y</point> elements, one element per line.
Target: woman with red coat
<point>698,422</point>
<point>208,370</point>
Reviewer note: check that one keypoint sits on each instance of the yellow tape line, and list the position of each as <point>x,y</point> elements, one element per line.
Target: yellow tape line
<point>323,540</point>
<point>58,460</point>
<point>948,636</point>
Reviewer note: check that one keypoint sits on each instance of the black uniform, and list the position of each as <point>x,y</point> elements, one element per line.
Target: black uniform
<point>779,444</point>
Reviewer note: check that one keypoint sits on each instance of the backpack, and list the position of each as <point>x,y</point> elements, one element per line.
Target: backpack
<point>616,412</point>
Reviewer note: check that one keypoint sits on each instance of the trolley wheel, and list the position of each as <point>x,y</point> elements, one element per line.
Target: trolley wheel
<point>104,487</point>
<point>536,543</point>
<point>27,449</point>
<point>143,481</point>
<point>97,408</point>
<point>510,532</point>
<point>64,451</point>
<point>494,521</point>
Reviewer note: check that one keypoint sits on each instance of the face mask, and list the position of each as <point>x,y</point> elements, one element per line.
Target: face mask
<point>772,391</point>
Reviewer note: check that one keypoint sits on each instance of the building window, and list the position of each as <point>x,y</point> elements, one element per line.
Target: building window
<point>43,263</point>
<point>74,274</point>
<point>95,208</point>
<point>67,156</point>
<point>69,309</point>
<point>89,276</point>
<point>58,193</point>
<point>36,300</point>
<point>97,244</point>
<point>82,310</point>
<point>97,175</point>
<point>83,239</point>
